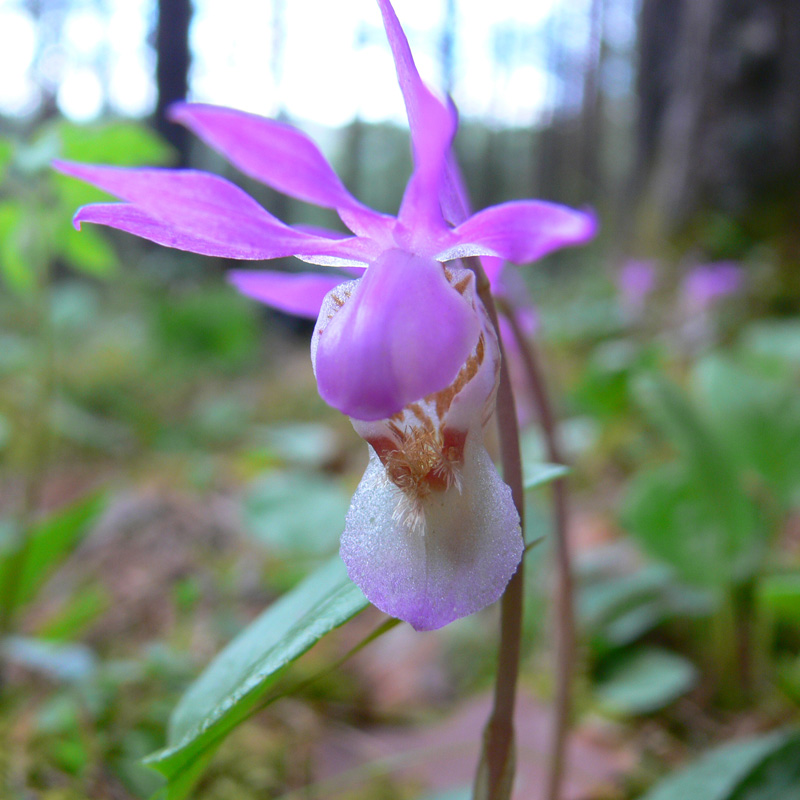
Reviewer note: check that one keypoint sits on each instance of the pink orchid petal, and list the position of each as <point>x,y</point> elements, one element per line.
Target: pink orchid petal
<point>278,155</point>
<point>203,210</point>
<point>470,548</point>
<point>493,267</point>
<point>453,194</point>
<point>520,231</point>
<point>299,294</point>
<point>131,219</point>
<point>433,125</point>
<point>403,333</point>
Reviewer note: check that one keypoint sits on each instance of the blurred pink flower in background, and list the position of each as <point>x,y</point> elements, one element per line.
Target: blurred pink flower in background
<point>636,280</point>
<point>707,284</point>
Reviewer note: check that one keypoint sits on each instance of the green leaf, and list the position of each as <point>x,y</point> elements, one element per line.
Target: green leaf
<point>539,474</point>
<point>303,444</point>
<point>694,513</point>
<point>87,251</point>
<point>706,461</point>
<point>616,606</point>
<point>606,596</point>
<point>619,609</point>
<point>181,785</point>
<point>33,157</point>
<point>48,543</point>
<point>124,143</point>
<point>645,681</point>
<point>5,431</point>
<point>15,353</point>
<point>780,596</point>
<point>296,513</point>
<point>79,425</point>
<point>6,151</point>
<point>672,523</point>
<point>777,778</point>
<point>757,416</point>
<point>720,773</point>
<point>209,323</point>
<point>778,339</point>
<point>18,273</point>
<point>78,612</point>
<point>239,680</point>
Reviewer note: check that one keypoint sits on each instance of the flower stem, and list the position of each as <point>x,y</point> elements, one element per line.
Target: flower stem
<point>565,617</point>
<point>496,768</point>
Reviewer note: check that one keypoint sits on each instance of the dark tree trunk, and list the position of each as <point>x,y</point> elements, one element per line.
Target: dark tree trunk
<point>172,68</point>
<point>591,122</point>
<point>719,120</point>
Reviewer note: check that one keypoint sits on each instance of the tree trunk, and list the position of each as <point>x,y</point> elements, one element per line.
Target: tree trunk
<point>172,68</point>
<point>719,122</point>
<point>591,122</point>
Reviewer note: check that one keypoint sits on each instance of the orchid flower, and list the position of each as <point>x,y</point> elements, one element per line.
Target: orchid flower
<point>707,284</point>
<point>636,281</point>
<point>406,350</point>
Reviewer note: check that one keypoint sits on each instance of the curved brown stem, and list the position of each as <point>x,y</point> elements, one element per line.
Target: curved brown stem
<point>496,767</point>
<point>565,617</point>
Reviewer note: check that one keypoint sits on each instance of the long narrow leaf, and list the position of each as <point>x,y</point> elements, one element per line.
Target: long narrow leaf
<point>49,542</point>
<point>718,774</point>
<point>239,680</point>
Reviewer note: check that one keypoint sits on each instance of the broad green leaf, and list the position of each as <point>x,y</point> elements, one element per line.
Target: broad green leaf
<point>780,596</point>
<point>304,444</point>
<point>87,251</point>
<point>707,463</point>
<point>6,151</point>
<point>695,512</point>
<point>777,778</point>
<point>123,143</point>
<point>787,676</point>
<point>618,610</point>
<point>32,158</point>
<point>577,435</point>
<point>662,509</point>
<point>77,613</point>
<point>74,306</point>
<point>238,682</point>
<point>180,786</point>
<point>79,425</point>
<point>209,323</point>
<point>5,431</point>
<point>297,513</point>
<point>774,338</point>
<point>644,681</point>
<point>604,599</point>
<point>542,473</point>
<point>49,543</point>
<point>18,274</point>
<point>616,606</point>
<point>757,416</point>
<point>15,353</point>
<point>720,773</point>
